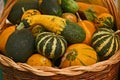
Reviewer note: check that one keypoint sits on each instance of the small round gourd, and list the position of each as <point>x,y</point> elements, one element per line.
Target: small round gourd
<point>50,44</point>
<point>104,20</point>
<point>105,42</point>
<point>38,60</point>
<point>79,54</point>
<point>38,29</point>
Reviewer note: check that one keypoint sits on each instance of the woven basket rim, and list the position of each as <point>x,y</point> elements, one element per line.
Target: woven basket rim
<point>69,71</point>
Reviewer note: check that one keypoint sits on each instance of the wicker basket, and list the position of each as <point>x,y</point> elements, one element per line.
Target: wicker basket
<point>104,70</point>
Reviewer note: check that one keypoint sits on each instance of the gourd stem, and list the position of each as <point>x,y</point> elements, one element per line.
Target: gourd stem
<point>20,26</point>
<point>118,31</point>
<point>79,18</point>
<point>23,9</point>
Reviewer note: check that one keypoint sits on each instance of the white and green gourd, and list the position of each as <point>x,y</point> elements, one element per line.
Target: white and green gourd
<point>51,45</point>
<point>105,42</point>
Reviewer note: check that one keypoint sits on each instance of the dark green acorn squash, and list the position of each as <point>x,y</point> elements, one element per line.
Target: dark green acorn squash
<point>20,45</point>
<point>50,7</point>
<point>18,9</point>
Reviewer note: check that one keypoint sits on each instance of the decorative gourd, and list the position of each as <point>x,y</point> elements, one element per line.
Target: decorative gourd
<point>17,10</point>
<point>30,12</point>
<point>79,55</point>
<point>20,45</point>
<point>37,29</point>
<point>89,28</point>
<point>105,42</point>
<point>69,6</point>
<point>104,20</point>
<point>50,7</point>
<point>5,35</point>
<point>97,8</point>
<point>38,60</point>
<point>51,45</point>
<point>96,2</point>
<point>71,31</point>
<point>69,16</point>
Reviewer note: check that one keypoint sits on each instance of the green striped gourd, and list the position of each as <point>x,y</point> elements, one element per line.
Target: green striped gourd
<point>105,42</point>
<point>51,45</point>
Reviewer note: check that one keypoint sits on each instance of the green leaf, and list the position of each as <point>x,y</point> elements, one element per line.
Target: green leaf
<point>90,14</point>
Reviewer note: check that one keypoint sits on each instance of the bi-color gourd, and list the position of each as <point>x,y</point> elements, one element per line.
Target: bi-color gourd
<point>51,45</point>
<point>106,42</point>
<point>18,9</point>
<point>71,31</point>
<point>79,55</point>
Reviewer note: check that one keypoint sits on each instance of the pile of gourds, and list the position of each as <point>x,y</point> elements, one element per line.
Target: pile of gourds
<point>59,33</point>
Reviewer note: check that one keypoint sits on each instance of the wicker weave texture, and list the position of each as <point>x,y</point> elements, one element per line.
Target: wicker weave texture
<point>108,74</point>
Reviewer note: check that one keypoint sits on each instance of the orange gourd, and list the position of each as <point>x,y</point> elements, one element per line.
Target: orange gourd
<point>79,55</point>
<point>5,35</point>
<point>89,28</point>
<point>38,60</point>
<point>96,2</point>
<point>70,16</point>
<point>97,8</point>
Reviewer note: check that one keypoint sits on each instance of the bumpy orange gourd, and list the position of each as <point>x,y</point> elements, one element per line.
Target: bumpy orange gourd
<point>79,54</point>
<point>38,60</point>
<point>89,28</point>
<point>5,35</point>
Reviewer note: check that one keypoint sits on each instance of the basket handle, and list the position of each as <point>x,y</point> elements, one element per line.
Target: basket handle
<point>110,4</point>
<point>5,12</point>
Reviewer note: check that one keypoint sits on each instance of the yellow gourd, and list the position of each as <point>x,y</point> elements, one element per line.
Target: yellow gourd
<point>29,13</point>
<point>57,25</point>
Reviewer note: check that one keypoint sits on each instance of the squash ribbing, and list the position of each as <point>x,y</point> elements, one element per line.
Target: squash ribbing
<point>50,44</point>
<point>105,42</point>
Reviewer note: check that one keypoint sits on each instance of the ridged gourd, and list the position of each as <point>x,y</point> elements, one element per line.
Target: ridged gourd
<point>105,42</point>
<point>51,45</point>
<point>79,55</point>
